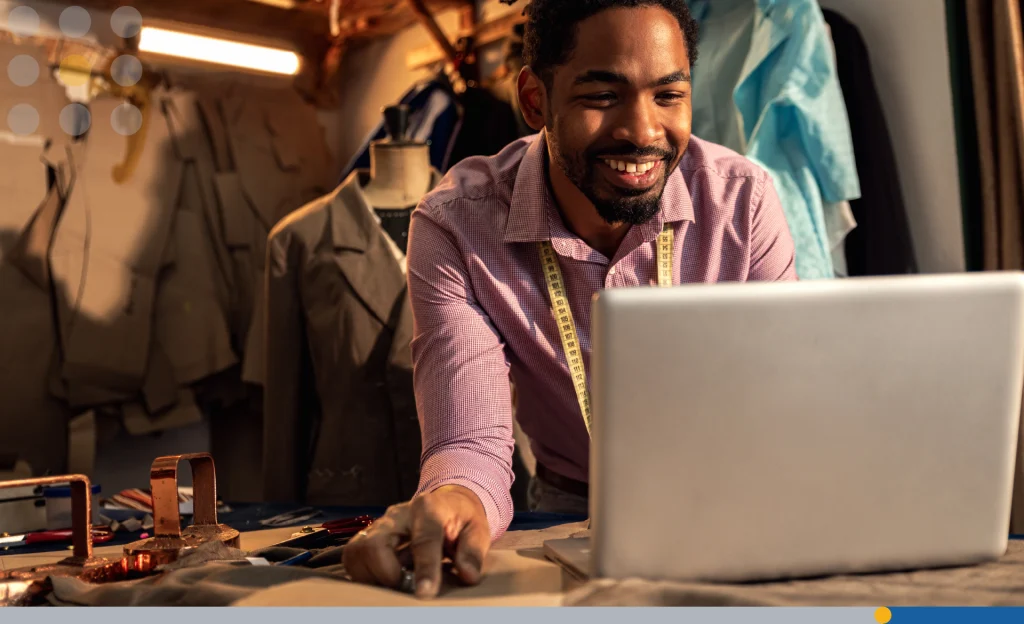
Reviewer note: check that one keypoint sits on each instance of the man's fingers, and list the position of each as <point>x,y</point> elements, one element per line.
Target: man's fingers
<point>371,558</point>
<point>470,550</point>
<point>427,546</point>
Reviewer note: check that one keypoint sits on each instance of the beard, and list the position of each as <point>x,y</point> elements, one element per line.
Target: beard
<point>614,204</point>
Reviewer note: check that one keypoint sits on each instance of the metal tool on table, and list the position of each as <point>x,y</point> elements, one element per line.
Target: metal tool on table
<point>291,518</point>
<point>328,534</point>
<point>169,539</point>
<point>24,586</point>
<point>100,534</point>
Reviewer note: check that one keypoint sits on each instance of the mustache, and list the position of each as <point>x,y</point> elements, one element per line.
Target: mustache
<point>630,150</point>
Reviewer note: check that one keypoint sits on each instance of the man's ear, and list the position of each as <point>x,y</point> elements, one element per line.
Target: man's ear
<point>532,98</point>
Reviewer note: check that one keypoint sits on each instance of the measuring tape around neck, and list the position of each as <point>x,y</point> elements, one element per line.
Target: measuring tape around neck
<point>563,314</point>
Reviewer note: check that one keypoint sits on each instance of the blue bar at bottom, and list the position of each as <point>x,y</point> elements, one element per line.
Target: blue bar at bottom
<point>959,615</point>
<point>476,615</point>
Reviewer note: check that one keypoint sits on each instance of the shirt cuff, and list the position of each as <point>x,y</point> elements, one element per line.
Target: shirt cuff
<point>493,494</point>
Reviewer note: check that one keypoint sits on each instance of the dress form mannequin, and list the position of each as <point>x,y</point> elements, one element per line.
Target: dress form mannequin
<point>400,170</point>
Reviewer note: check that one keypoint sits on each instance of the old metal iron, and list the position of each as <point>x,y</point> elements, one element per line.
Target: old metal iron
<point>169,539</point>
<point>27,586</point>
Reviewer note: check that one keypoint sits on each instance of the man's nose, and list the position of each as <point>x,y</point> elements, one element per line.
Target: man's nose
<point>638,123</point>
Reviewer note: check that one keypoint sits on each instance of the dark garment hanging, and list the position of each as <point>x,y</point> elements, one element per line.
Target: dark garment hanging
<point>433,117</point>
<point>474,123</point>
<point>396,224</point>
<point>881,243</point>
<point>488,125</point>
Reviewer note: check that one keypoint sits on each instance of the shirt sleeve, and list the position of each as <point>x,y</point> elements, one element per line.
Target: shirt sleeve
<point>772,252</point>
<point>461,374</point>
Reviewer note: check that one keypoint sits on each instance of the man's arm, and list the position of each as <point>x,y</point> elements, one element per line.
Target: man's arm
<point>772,252</point>
<point>464,404</point>
<point>461,375</point>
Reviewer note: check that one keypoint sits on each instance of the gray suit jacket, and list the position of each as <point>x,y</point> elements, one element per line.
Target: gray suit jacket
<point>340,422</point>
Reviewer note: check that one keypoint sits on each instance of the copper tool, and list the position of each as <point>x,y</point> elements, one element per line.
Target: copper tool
<point>169,539</point>
<point>25,586</point>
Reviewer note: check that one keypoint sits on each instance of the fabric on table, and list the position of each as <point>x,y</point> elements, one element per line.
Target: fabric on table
<point>211,575</point>
<point>214,576</point>
<point>999,583</point>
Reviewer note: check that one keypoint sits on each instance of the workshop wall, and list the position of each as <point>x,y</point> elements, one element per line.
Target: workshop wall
<point>129,305</point>
<point>913,74</point>
<point>117,329</point>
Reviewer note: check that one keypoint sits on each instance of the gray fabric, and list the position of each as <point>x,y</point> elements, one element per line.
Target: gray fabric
<point>1000,583</point>
<point>213,576</point>
<point>338,363</point>
<point>210,576</point>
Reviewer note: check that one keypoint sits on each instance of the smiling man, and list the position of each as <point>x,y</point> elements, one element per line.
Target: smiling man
<point>507,253</point>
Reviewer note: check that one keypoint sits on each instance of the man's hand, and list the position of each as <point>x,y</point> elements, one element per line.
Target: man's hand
<point>447,522</point>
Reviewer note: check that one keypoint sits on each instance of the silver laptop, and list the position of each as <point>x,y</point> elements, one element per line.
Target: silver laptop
<point>750,432</point>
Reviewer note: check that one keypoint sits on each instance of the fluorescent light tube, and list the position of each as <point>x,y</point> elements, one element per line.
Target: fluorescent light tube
<point>220,51</point>
<point>280,4</point>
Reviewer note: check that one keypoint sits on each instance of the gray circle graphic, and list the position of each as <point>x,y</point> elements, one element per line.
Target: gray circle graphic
<point>126,70</point>
<point>23,119</point>
<point>126,22</point>
<point>75,119</point>
<point>75,22</point>
<point>23,70</point>
<point>23,21</point>
<point>126,119</point>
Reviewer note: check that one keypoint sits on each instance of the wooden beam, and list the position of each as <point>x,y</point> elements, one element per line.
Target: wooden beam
<point>440,38</point>
<point>484,34</point>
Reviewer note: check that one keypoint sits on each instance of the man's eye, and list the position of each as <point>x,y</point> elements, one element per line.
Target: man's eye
<point>671,97</point>
<point>599,98</point>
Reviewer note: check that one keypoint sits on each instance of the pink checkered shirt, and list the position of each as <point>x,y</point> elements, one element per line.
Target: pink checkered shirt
<point>482,312</point>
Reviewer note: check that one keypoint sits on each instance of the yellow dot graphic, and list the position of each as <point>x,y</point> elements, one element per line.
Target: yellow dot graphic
<point>74,70</point>
<point>883,615</point>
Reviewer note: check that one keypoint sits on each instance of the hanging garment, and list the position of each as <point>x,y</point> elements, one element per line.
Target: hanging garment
<point>765,86</point>
<point>488,126</point>
<point>881,244</point>
<point>108,251</point>
<point>340,420</point>
<point>475,123</point>
<point>34,423</point>
<point>434,117</point>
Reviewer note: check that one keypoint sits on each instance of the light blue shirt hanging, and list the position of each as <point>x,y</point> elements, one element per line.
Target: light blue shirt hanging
<point>765,85</point>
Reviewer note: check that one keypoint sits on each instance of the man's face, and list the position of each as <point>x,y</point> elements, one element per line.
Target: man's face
<point>618,113</point>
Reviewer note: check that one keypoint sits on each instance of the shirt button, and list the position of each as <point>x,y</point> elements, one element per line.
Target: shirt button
<point>611,271</point>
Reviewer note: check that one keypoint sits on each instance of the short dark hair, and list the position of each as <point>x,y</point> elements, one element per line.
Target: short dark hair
<point>551,26</point>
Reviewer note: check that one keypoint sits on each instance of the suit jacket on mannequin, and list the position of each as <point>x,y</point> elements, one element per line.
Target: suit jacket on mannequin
<point>340,416</point>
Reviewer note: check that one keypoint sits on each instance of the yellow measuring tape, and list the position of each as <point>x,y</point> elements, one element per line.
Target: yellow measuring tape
<point>563,314</point>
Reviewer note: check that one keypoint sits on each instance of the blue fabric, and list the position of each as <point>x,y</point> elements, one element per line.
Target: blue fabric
<point>786,111</point>
<point>434,117</point>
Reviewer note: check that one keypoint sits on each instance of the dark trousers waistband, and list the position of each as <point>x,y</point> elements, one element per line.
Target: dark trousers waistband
<point>572,486</point>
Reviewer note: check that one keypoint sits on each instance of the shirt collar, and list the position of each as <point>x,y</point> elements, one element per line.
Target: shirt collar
<point>532,204</point>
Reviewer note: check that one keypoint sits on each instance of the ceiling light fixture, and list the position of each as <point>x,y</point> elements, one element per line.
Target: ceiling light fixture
<point>281,4</point>
<point>219,51</point>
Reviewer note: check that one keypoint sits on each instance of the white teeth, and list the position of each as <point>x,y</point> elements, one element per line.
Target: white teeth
<point>629,167</point>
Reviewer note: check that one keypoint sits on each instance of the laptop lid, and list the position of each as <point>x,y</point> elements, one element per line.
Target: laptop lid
<point>759,431</point>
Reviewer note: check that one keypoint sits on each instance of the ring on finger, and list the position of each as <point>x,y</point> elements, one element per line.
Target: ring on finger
<point>408,583</point>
